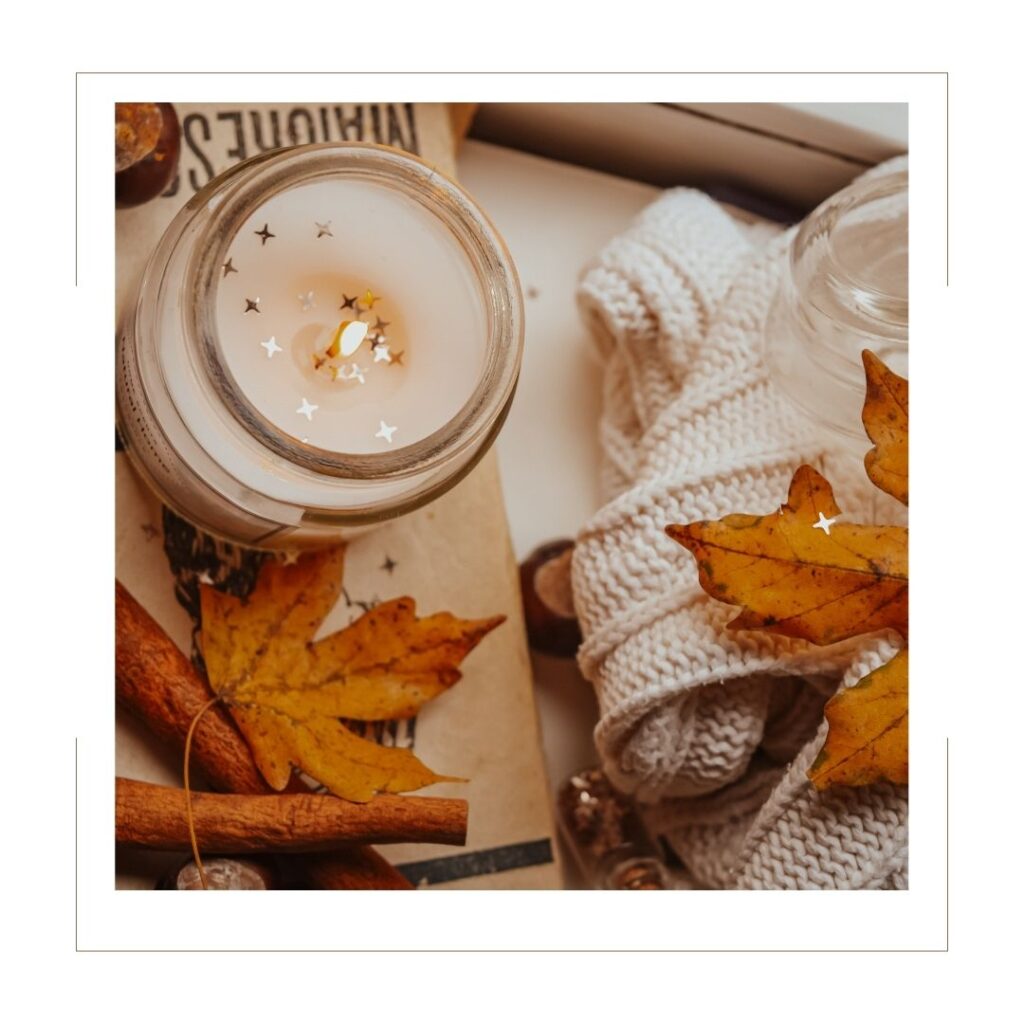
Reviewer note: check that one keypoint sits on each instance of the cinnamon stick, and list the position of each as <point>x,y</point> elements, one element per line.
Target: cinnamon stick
<point>160,686</point>
<point>155,817</point>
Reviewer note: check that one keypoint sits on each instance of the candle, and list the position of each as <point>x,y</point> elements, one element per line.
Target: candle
<point>325,337</point>
<point>348,317</point>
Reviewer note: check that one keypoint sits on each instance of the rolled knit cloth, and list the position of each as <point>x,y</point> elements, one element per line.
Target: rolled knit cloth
<point>712,731</point>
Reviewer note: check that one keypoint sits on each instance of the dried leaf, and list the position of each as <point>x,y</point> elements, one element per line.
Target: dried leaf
<point>886,419</point>
<point>287,693</point>
<point>800,573</point>
<point>794,578</point>
<point>867,730</point>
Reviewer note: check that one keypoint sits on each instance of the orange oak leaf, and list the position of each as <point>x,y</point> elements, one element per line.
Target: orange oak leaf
<point>800,573</point>
<point>287,692</point>
<point>886,417</point>
<point>867,730</point>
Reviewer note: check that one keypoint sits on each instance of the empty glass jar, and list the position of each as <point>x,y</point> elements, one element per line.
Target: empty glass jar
<point>843,289</point>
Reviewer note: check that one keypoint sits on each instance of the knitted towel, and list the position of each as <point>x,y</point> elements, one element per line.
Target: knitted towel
<point>712,730</point>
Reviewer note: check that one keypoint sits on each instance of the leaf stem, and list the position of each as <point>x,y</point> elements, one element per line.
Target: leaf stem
<point>188,792</point>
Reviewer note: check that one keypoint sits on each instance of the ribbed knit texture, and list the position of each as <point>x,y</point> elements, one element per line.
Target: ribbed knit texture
<point>713,730</point>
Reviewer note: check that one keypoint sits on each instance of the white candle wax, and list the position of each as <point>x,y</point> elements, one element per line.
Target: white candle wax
<point>329,251</point>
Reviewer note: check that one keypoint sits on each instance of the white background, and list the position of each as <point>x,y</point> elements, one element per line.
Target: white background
<point>57,386</point>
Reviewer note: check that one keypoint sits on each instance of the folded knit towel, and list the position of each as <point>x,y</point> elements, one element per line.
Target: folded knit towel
<point>711,730</point>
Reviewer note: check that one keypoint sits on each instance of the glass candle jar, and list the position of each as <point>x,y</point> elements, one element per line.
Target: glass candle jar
<point>325,337</point>
<point>842,290</point>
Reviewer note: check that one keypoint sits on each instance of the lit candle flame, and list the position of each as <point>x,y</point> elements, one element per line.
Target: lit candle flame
<point>347,337</point>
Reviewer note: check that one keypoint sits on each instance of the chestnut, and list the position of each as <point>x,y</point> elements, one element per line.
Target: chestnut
<point>222,873</point>
<point>544,578</point>
<point>147,143</point>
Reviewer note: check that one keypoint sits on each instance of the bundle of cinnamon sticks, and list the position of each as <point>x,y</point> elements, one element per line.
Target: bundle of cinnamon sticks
<point>316,840</point>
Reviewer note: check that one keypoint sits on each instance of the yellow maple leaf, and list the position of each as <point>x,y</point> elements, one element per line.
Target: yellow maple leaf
<point>886,419</point>
<point>801,573</point>
<point>287,692</point>
<point>793,578</point>
<point>867,730</point>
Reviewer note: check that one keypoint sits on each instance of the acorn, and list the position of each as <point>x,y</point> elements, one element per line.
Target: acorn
<point>544,578</point>
<point>147,143</point>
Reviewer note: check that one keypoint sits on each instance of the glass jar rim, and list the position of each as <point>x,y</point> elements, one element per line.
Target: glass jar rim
<point>253,183</point>
<point>885,308</point>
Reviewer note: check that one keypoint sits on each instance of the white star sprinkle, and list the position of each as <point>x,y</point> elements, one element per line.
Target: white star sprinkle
<point>306,409</point>
<point>823,523</point>
<point>356,373</point>
<point>385,432</point>
<point>271,346</point>
<point>307,302</point>
<point>381,354</point>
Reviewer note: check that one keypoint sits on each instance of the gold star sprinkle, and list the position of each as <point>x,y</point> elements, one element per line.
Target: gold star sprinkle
<point>369,299</point>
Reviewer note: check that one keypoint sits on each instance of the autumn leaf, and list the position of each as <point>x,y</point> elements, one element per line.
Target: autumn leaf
<point>867,730</point>
<point>794,577</point>
<point>886,419</point>
<point>802,573</point>
<point>287,692</point>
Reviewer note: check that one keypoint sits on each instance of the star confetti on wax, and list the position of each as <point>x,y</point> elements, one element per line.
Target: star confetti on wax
<point>348,301</point>
<point>389,565</point>
<point>370,299</point>
<point>397,357</point>
<point>381,354</point>
<point>252,305</point>
<point>264,234</point>
<point>385,432</point>
<point>381,324</point>
<point>271,346</point>
<point>229,268</point>
<point>307,302</point>
<point>323,229</point>
<point>306,409</point>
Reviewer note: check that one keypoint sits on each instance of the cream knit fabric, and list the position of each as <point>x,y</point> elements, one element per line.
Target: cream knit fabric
<point>713,730</point>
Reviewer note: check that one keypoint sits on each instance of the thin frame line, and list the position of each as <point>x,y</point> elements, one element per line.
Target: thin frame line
<point>488,73</point>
